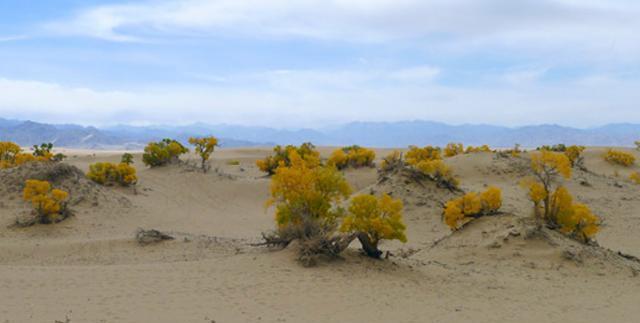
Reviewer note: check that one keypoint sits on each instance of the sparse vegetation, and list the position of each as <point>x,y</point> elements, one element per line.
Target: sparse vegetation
<point>635,177</point>
<point>281,157</point>
<point>619,157</point>
<point>439,172</point>
<point>373,219</point>
<point>204,148</point>
<point>453,149</point>
<point>11,154</point>
<point>637,143</point>
<point>352,156</point>
<point>49,205</point>
<point>233,162</point>
<point>459,211</point>
<point>416,154</point>
<point>126,158</point>
<point>122,174</point>
<point>554,206</point>
<point>391,161</point>
<point>163,152</point>
<point>479,149</point>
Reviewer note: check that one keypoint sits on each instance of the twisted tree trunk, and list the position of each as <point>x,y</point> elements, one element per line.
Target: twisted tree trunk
<point>369,247</point>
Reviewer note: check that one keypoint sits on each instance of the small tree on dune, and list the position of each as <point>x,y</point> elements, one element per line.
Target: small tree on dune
<point>204,148</point>
<point>50,205</point>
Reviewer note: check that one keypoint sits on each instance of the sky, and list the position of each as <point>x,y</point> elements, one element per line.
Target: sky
<point>313,63</point>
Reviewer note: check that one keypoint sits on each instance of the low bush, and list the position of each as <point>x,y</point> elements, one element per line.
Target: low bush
<point>108,174</point>
<point>479,149</point>
<point>374,219</point>
<point>635,177</point>
<point>416,155</point>
<point>11,155</point>
<point>453,149</point>
<point>619,157</point>
<point>439,172</point>
<point>126,158</point>
<point>204,148</point>
<point>555,207</point>
<point>391,161</point>
<point>459,211</point>
<point>352,156</point>
<point>49,205</point>
<point>282,156</point>
<point>163,152</point>
<point>233,162</point>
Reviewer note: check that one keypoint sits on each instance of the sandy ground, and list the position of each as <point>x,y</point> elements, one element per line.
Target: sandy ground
<point>90,269</point>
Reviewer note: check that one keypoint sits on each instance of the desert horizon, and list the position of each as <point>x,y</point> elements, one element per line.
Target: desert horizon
<point>272,161</point>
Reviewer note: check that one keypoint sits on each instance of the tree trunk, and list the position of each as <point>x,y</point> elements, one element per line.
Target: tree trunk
<point>369,247</point>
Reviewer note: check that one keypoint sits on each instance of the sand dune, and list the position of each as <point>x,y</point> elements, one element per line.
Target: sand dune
<point>90,269</point>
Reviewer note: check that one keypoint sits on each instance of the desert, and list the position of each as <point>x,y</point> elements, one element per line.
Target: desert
<point>90,268</point>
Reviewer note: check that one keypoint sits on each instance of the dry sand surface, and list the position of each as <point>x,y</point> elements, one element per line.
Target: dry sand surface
<point>89,268</point>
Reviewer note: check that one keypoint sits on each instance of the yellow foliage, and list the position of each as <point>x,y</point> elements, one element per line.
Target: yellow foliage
<point>281,156</point>
<point>11,155</point>
<point>548,164</point>
<point>463,209</point>
<point>108,173</point>
<point>573,218</point>
<point>48,203</point>
<point>204,147</point>
<point>619,157</point>
<point>416,155</point>
<point>574,153</point>
<point>635,177</point>
<point>536,191</point>
<point>438,171</point>
<point>453,149</point>
<point>352,156</point>
<point>379,218</point>
<point>162,152</point>
<point>479,149</point>
<point>304,191</point>
<point>392,159</point>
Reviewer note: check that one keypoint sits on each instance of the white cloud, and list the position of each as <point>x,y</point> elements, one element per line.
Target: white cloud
<point>606,27</point>
<point>315,98</point>
<point>12,38</point>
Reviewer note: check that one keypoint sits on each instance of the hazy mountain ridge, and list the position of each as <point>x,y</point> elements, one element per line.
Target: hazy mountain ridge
<point>375,134</point>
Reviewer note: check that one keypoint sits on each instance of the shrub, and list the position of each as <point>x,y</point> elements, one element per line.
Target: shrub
<point>439,172</point>
<point>352,156</point>
<point>637,143</point>
<point>8,152</point>
<point>574,153</point>
<point>126,158</point>
<point>635,178</point>
<point>307,151</point>
<point>416,155</point>
<point>50,205</point>
<point>109,174</point>
<point>374,219</point>
<point>472,205</point>
<point>306,198</point>
<point>44,150</point>
<point>560,148</point>
<point>555,207</point>
<point>233,162</point>
<point>479,149</point>
<point>453,149</point>
<point>513,152</point>
<point>163,152</point>
<point>204,148</point>
<point>619,157</point>
<point>391,161</point>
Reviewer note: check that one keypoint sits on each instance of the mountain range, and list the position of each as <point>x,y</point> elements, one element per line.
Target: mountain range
<point>373,134</point>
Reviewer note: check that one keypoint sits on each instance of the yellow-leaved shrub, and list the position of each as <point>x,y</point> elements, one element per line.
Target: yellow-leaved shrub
<point>574,153</point>
<point>555,206</point>
<point>635,177</point>
<point>11,155</point>
<point>281,156</point>
<point>479,149</point>
<point>374,219</point>
<point>163,152</point>
<point>352,156</point>
<point>391,160</point>
<point>204,148</point>
<point>438,171</point>
<point>108,174</point>
<point>453,149</point>
<point>472,205</point>
<point>416,155</point>
<point>619,157</point>
<point>49,204</point>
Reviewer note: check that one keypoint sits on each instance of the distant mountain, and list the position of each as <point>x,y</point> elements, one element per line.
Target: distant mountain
<point>374,134</point>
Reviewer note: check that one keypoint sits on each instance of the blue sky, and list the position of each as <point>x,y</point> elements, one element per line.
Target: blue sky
<point>311,63</point>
